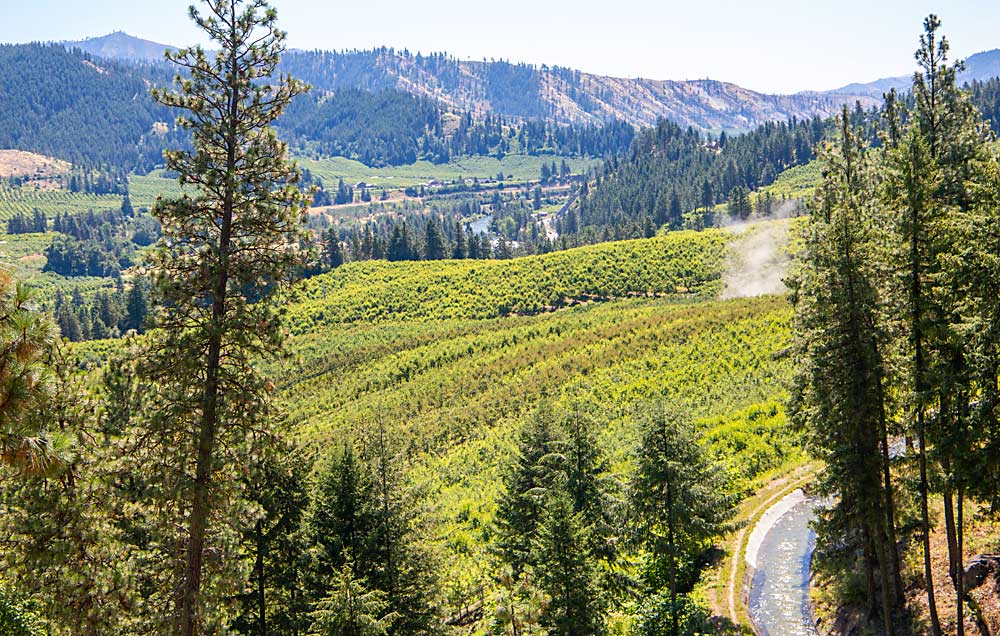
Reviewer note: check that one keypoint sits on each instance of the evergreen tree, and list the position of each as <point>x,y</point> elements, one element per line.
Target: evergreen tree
<point>841,386</point>
<point>351,610</point>
<point>565,571</point>
<point>519,511</point>
<point>675,216</point>
<point>26,336</point>
<point>229,243</point>
<point>434,242</point>
<point>461,250</point>
<point>680,500</point>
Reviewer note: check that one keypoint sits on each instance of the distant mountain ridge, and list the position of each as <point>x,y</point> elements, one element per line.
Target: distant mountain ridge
<point>121,46</point>
<point>979,67</point>
<point>526,91</point>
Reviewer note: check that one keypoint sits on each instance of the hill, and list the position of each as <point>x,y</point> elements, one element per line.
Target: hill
<point>499,87</point>
<point>121,46</point>
<point>434,353</point>
<point>55,101</point>
<point>980,67</point>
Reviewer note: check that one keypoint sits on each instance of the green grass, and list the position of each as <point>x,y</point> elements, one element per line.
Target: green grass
<point>522,167</point>
<point>432,351</point>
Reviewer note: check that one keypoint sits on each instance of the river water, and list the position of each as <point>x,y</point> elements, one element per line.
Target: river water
<point>779,591</point>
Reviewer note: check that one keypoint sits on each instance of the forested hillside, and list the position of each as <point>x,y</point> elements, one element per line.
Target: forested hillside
<point>560,94</point>
<point>55,102</point>
<point>563,95</point>
<point>58,103</point>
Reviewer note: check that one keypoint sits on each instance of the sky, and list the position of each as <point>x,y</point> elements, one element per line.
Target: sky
<point>782,46</point>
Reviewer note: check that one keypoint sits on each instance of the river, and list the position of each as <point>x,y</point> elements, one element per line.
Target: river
<point>780,556</point>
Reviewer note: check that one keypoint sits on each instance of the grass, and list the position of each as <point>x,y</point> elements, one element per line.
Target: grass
<point>522,167</point>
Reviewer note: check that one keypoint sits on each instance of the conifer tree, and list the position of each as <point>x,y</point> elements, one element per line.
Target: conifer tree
<point>565,570</point>
<point>840,398</point>
<point>520,509</point>
<point>26,336</point>
<point>229,243</point>
<point>679,500</point>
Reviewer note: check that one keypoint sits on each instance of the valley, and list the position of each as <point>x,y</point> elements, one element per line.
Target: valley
<point>386,343</point>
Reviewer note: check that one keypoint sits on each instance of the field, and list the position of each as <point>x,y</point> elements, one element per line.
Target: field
<point>52,202</point>
<point>143,190</point>
<point>438,354</point>
<point>23,255</point>
<point>678,264</point>
<point>798,182</point>
<point>521,167</point>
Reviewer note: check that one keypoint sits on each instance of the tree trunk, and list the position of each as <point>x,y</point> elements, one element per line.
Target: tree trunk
<point>949,526</point>
<point>925,520</point>
<point>885,579</point>
<point>890,515</point>
<point>960,566</point>
<point>872,587</point>
<point>198,524</point>
<point>672,565</point>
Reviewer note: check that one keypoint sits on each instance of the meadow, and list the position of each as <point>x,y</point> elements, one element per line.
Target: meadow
<point>518,168</point>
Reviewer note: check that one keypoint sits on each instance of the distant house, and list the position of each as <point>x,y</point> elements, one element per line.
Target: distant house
<point>361,185</point>
<point>713,146</point>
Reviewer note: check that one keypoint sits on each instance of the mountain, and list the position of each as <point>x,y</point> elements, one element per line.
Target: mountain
<point>559,94</point>
<point>980,67</point>
<point>121,46</point>
<point>82,109</point>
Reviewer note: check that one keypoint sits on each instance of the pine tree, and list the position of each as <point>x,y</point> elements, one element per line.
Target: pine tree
<point>228,244</point>
<point>26,336</point>
<point>680,503</point>
<point>565,571</point>
<point>840,398</point>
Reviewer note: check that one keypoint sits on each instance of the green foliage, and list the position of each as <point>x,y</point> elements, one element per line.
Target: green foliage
<point>456,391</point>
<point>26,338</point>
<point>668,160</point>
<point>681,265</point>
<point>566,571</point>
<point>358,524</point>
<point>25,201</point>
<point>681,502</point>
<point>351,610</point>
<point>522,167</point>
<point>15,620</point>
<point>230,243</point>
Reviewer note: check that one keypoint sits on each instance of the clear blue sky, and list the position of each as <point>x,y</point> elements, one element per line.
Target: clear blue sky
<point>778,46</point>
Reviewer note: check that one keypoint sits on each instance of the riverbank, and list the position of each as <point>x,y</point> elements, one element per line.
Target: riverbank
<point>838,603</point>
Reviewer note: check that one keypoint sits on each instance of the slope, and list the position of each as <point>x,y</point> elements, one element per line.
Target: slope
<point>435,353</point>
<point>525,91</point>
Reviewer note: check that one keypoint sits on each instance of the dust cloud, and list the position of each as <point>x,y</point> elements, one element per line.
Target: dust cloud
<point>759,261</point>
